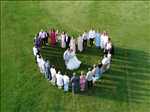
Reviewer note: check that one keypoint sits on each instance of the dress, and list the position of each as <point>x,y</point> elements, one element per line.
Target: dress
<point>97,40</point>
<point>66,82</point>
<point>66,56</point>
<point>73,44</point>
<point>102,41</point>
<point>63,44</point>
<point>82,82</point>
<point>105,41</point>
<point>73,62</point>
<point>59,78</point>
<point>80,44</point>
<point>53,38</point>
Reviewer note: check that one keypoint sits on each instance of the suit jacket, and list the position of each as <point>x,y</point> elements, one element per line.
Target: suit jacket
<point>67,40</point>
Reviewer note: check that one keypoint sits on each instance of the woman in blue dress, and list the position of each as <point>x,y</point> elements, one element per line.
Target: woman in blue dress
<point>97,39</point>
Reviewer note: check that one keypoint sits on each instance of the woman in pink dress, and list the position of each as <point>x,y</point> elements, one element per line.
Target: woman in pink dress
<point>53,38</point>
<point>73,44</point>
<point>82,82</point>
<point>63,44</point>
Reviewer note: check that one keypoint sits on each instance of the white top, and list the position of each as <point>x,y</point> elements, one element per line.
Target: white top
<point>42,34</point>
<point>108,45</point>
<point>35,51</point>
<point>91,34</point>
<point>109,56</point>
<point>85,36</point>
<point>66,79</point>
<point>59,78</point>
<point>105,61</point>
<point>53,71</point>
<point>105,39</point>
<point>89,76</point>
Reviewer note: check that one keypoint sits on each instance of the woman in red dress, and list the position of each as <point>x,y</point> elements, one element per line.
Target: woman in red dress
<point>53,38</point>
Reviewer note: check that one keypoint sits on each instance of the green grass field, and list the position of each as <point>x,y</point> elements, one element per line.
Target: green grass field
<point>124,88</point>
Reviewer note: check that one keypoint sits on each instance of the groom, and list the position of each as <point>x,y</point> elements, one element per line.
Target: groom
<point>67,41</point>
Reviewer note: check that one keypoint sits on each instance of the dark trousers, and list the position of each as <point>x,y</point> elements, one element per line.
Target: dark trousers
<point>74,89</point>
<point>89,84</point>
<point>91,41</point>
<point>84,44</point>
<point>46,40</point>
<point>67,45</point>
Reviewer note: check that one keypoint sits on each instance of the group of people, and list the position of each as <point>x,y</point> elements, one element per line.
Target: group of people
<point>85,80</point>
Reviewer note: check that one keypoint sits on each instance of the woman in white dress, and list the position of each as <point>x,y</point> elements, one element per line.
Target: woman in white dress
<point>63,44</point>
<point>80,43</point>
<point>73,44</point>
<point>73,62</point>
<point>66,83</point>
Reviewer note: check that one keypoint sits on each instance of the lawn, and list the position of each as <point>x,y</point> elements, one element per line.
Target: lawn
<point>124,88</point>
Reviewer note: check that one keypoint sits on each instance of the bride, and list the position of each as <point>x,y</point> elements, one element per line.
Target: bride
<point>71,60</point>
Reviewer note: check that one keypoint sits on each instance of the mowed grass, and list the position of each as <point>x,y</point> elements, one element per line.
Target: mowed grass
<point>125,87</point>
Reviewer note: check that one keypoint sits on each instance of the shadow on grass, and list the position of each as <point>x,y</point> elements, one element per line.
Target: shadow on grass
<point>127,80</point>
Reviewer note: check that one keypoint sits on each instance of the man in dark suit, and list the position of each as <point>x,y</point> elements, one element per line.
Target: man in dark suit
<point>67,40</point>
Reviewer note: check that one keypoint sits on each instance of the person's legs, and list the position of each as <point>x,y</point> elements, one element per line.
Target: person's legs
<point>73,89</point>
<point>91,83</point>
<point>88,84</point>
<point>85,44</point>
<point>91,42</point>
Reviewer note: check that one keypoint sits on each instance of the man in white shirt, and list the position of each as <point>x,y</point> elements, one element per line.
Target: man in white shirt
<point>85,38</point>
<point>89,78</point>
<point>43,36</point>
<point>91,36</point>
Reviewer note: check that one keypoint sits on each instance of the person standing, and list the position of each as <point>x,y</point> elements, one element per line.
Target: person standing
<point>91,36</point>
<point>43,35</point>
<point>73,44</point>
<point>53,73</point>
<point>66,83</point>
<point>97,39</point>
<point>108,47</point>
<point>74,82</point>
<point>47,70</point>
<point>67,40</point>
<point>105,63</point>
<point>63,43</point>
<point>53,38</point>
<point>80,43</point>
<point>96,73</point>
<point>82,82</point>
<point>85,38</point>
<point>59,80</point>
<point>40,62</point>
<point>66,56</point>
<point>89,78</point>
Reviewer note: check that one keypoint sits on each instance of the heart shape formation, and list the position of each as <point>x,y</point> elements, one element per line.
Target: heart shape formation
<point>60,42</point>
